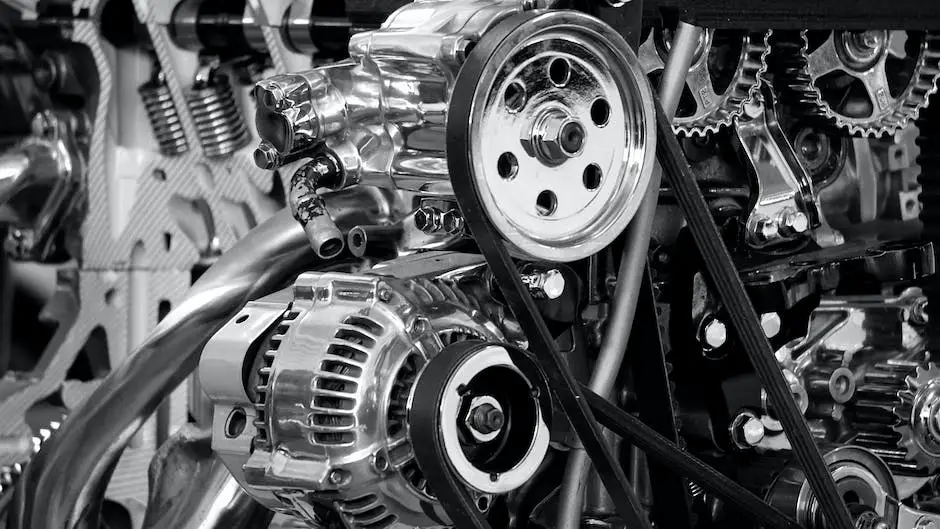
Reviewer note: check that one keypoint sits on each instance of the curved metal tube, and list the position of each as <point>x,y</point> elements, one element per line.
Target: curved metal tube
<point>186,464</point>
<point>630,277</point>
<point>63,485</point>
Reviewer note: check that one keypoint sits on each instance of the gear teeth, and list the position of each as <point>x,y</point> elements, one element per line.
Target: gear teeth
<point>10,474</point>
<point>802,93</point>
<point>751,68</point>
<point>920,394</point>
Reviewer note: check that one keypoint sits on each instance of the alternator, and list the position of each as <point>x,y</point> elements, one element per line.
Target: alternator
<point>312,395</point>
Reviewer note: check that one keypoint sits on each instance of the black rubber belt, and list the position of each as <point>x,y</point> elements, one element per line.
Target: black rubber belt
<point>669,454</point>
<point>517,296</point>
<point>744,319</point>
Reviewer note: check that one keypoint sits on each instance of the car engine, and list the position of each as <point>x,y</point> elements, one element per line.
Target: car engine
<point>522,264</point>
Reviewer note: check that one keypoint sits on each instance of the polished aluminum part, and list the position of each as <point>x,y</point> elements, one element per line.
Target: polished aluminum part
<point>382,113</point>
<point>717,102</point>
<point>567,98</point>
<point>863,57</point>
<point>185,463</point>
<point>119,406</point>
<point>52,160</point>
<point>918,411</point>
<point>325,422</point>
<point>785,208</point>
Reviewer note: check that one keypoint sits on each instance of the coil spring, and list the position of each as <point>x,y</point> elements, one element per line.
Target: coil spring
<point>218,119</point>
<point>164,119</point>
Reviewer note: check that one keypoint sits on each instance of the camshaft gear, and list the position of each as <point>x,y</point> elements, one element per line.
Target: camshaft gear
<point>725,71</point>
<point>869,82</point>
<point>919,413</point>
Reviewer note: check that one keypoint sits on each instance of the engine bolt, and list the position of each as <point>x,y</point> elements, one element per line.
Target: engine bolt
<point>266,156</point>
<point>487,418</point>
<point>770,322</point>
<point>747,430</point>
<point>452,222</point>
<point>271,95</point>
<point>338,477</point>
<point>545,285</point>
<point>714,333</point>
<point>766,229</point>
<point>794,222</point>
<point>428,219</point>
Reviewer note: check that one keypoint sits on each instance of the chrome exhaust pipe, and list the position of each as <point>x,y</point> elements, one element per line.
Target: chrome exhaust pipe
<point>64,483</point>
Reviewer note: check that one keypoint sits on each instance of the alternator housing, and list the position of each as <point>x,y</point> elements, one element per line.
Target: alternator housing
<point>310,389</point>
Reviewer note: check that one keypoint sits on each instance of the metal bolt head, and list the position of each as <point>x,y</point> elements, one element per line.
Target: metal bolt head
<point>770,322</point>
<point>266,156</point>
<point>796,222</point>
<point>428,219</point>
<point>753,431</point>
<point>545,285</point>
<point>452,221</point>
<point>271,96</point>
<point>714,333</point>
<point>766,230</point>
<point>486,418</point>
<point>337,476</point>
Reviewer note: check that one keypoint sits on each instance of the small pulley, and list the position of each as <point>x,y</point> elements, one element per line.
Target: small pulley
<point>553,117</point>
<point>479,416</point>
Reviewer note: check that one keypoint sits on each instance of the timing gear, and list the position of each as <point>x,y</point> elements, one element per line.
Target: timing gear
<point>312,395</point>
<point>725,72</point>
<point>846,76</point>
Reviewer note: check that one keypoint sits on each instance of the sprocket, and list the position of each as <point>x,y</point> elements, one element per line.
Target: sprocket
<point>844,76</point>
<point>713,96</point>
<point>918,410</point>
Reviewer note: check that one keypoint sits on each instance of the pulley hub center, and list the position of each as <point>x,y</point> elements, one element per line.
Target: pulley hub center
<point>862,49</point>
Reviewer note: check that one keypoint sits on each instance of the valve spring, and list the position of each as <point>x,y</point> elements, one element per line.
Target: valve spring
<point>164,119</point>
<point>218,119</point>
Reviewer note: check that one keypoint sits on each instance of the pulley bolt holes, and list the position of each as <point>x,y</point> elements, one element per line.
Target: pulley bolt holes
<point>592,176</point>
<point>507,165</point>
<point>559,71</point>
<point>483,503</point>
<point>546,203</point>
<point>600,112</point>
<point>515,96</point>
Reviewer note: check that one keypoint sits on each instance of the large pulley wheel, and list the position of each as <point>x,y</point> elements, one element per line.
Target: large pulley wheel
<point>479,417</point>
<point>553,118</point>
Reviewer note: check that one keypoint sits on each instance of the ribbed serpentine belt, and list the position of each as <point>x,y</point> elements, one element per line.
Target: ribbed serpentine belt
<point>577,402</point>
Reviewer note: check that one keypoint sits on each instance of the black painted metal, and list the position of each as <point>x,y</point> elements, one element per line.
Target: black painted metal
<point>656,409</point>
<point>727,283</point>
<point>659,448</point>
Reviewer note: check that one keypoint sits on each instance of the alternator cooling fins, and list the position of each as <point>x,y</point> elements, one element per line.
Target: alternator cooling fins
<point>715,107</point>
<point>824,74</point>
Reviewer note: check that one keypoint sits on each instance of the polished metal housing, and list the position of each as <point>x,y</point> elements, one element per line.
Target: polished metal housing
<point>324,418</point>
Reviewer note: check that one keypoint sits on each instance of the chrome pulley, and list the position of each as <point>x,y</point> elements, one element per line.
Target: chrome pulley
<point>918,412</point>
<point>484,414</point>
<point>725,70</point>
<point>557,131</point>
<point>869,82</point>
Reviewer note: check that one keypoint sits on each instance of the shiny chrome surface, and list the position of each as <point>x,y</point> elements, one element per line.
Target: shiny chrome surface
<point>567,99</point>
<point>867,57</point>
<point>270,254</point>
<point>185,464</point>
<point>716,102</point>
<point>51,159</point>
<point>785,209</point>
<point>339,355</point>
<point>382,113</point>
